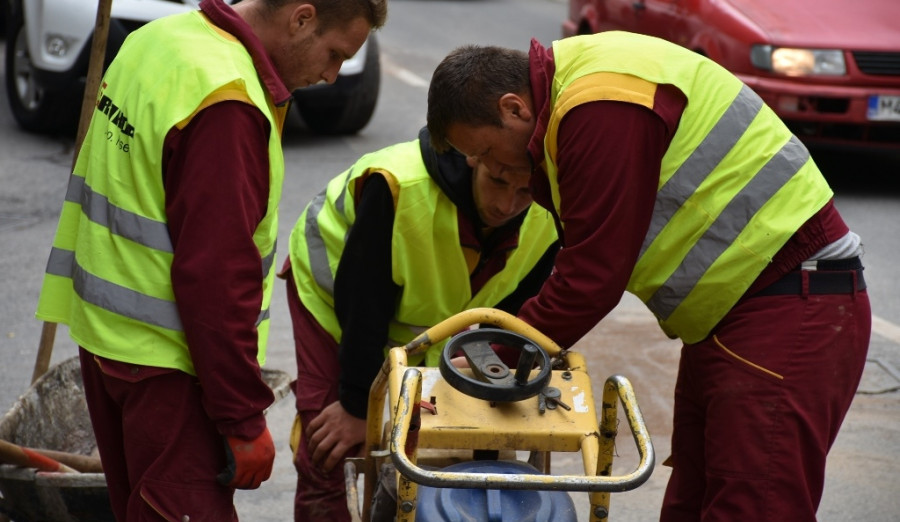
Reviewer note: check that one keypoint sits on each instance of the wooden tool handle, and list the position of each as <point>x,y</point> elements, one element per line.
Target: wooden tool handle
<point>27,458</point>
<point>82,463</point>
<point>88,102</point>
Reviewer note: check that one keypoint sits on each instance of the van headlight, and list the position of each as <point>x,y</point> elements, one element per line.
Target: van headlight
<point>798,62</point>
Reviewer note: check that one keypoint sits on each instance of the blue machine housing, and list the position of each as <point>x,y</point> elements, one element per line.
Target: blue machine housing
<point>491,505</point>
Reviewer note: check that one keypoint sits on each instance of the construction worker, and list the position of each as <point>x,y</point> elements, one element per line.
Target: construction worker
<point>671,179</point>
<point>397,243</point>
<point>162,262</point>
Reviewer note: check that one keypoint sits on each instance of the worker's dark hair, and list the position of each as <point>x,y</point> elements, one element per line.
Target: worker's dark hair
<point>332,13</point>
<point>467,85</point>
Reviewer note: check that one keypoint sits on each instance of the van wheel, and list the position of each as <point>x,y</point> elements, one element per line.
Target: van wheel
<point>350,112</point>
<point>34,108</point>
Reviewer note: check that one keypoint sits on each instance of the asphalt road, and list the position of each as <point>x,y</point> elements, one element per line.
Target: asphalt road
<point>864,466</point>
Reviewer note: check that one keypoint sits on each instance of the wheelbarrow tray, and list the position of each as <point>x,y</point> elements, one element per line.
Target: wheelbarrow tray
<point>53,414</point>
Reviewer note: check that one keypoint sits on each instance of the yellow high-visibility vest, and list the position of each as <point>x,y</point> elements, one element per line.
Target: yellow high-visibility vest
<point>735,184</point>
<point>427,259</point>
<point>109,273</point>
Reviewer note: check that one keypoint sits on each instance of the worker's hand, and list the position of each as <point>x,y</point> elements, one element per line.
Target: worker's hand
<point>459,362</point>
<point>249,462</point>
<point>332,434</point>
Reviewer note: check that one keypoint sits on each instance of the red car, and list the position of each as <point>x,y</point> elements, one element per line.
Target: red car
<point>829,68</point>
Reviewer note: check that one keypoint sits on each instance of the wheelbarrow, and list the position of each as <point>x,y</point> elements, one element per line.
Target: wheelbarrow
<point>52,415</point>
<point>484,415</point>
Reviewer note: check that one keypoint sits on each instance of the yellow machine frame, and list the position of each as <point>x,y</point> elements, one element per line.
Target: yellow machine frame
<point>461,422</point>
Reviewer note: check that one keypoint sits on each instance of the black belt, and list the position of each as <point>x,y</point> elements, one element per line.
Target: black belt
<point>841,276</point>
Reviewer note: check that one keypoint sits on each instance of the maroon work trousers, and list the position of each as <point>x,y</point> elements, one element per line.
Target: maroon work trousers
<point>759,404</point>
<point>160,451</point>
<point>319,495</point>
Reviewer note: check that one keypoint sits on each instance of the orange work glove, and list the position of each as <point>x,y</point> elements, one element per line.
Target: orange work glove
<point>249,462</point>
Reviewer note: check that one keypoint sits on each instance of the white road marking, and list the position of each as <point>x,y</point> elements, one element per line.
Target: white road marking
<point>404,75</point>
<point>886,329</point>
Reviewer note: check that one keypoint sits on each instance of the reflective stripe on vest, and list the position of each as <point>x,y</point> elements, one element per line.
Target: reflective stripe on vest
<point>726,227</point>
<point>734,184</point>
<point>317,251</point>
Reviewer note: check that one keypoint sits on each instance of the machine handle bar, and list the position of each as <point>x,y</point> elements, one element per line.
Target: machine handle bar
<point>411,387</point>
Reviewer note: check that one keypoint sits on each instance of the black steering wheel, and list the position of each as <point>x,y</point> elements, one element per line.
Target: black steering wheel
<point>493,381</point>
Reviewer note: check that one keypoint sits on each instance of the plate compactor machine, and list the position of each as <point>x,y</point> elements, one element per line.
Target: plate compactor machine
<point>472,439</point>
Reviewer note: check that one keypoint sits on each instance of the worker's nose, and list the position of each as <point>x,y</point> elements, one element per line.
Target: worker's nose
<point>330,74</point>
<point>507,204</point>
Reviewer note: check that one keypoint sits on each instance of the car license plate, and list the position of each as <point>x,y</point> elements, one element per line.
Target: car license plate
<point>884,108</point>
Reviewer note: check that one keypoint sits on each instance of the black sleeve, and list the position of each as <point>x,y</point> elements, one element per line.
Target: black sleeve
<point>365,295</point>
<point>531,284</point>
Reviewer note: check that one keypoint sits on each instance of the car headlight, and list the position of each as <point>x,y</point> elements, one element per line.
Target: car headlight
<point>798,62</point>
<point>57,45</point>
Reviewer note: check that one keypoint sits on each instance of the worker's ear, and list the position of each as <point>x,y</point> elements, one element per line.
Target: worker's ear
<point>514,106</point>
<point>303,17</point>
